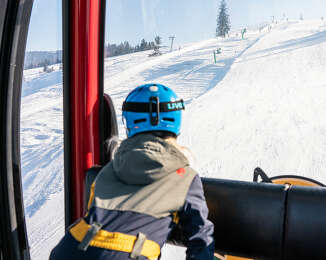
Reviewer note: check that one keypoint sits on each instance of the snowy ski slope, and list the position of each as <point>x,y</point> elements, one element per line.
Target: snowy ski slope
<point>262,104</point>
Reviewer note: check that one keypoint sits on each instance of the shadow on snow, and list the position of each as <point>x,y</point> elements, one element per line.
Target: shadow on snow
<point>290,45</point>
<point>208,75</point>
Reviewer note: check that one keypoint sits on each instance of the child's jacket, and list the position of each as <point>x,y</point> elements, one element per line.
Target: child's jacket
<point>135,202</point>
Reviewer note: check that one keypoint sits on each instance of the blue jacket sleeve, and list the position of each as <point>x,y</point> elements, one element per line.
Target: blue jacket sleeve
<point>197,229</point>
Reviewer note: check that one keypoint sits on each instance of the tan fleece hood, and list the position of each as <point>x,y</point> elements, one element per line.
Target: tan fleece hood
<point>143,178</point>
<point>146,158</point>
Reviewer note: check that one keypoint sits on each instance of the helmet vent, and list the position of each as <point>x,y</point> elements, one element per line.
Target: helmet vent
<point>168,119</point>
<point>139,120</point>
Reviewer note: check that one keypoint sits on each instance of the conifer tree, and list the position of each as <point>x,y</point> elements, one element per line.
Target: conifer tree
<point>156,46</point>
<point>158,40</point>
<point>223,21</point>
<point>143,45</point>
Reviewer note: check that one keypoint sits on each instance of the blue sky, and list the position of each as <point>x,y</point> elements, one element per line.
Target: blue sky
<point>188,20</point>
<point>45,26</point>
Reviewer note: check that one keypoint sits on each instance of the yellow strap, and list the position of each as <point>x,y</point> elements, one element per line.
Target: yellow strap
<point>91,198</point>
<point>175,218</point>
<point>91,195</point>
<point>115,241</point>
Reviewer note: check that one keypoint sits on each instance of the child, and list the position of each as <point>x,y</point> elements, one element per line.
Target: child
<point>148,190</point>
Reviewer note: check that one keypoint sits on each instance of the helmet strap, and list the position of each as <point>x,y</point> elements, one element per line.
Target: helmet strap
<point>155,119</point>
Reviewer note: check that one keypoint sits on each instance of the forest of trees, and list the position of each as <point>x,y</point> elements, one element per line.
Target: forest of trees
<point>35,59</point>
<point>125,47</point>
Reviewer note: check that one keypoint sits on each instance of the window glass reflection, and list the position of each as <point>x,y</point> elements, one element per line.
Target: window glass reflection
<point>41,129</point>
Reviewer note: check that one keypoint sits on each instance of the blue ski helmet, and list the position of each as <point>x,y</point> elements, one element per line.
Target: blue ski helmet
<point>152,107</point>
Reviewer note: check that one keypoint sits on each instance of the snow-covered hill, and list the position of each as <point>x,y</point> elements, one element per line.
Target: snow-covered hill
<point>269,109</point>
<point>261,104</point>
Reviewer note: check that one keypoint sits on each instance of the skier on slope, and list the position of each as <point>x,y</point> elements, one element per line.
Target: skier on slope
<point>145,192</point>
